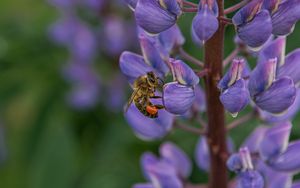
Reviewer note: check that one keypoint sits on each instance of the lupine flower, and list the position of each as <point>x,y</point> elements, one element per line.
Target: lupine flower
<point>170,170</point>
<point>202,155</point>
<point>156,16</point>
<point>275,140</point>
<point>258,19</point>
<point>235,95</point>
<point>287,161</point>
<point>252,142</point>
<point>171,39</point>
<point>205,23</point>
<point>290,67</point>
<point>248,177</point>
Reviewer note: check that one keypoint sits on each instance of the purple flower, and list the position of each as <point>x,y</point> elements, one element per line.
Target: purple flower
<point>252,142</point>
<point>183,73</point>
<point>236,97</point>
<point>171,39</point>
<point>275,140</point>
<point>285,17</point>
<point>288,161</point>
<point>168,171</point>
<point>147,128</point>
<point>290,67</point>
<point>131,3</point>
<point>156,16</point>
<point>254,26</point>
<point>205,23</point>
<point>178,98</point>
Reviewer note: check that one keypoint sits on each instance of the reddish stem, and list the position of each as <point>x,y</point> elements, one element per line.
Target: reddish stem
<point>216,132</point>
<point>189,3</point>
<point>189,10</point>
<point>236,7</point>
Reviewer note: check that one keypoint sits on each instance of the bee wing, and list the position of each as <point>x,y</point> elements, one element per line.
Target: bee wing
<point>131,99</point>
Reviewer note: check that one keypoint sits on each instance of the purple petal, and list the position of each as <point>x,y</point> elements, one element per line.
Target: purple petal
<point>171,38</point>
<point>288,115</point>
<point>152,56</point>
<point>250,179</point>
<point>143,185</point>
<point>147,128</point>
<point>275,140</point>
<point>171,5</point>
<point>262,77</point>
<point>285,18</point>
<point>131,3</point>
<point>234,163</point>
<point>247,13</point>
<point>200,102</point>
<point>256,32</point>
<point>152,17</point>
<point>147,160</point>
<point>133,66</point>
<point>279,97</point>
<point>291,68</point>
<point>184,74</point>
<point>236,97</point>
<point>253,141</point>
<point>203,30</point>
<point>271,5</point>
<point>296,184</point>
<point>289,160</point>
<point>272,50</point>
<point>173,155</point>
<point>239,69</point>
<point>164,175</point>
<point>195,38</point>
<point>178,98</point>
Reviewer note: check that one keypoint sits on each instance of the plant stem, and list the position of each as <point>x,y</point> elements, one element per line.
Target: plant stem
<point>190,4</point>
<point>189,129</point>
<point>236,7</point>
<point>240,121</point>
<point>231,56</point>
<point>216,135</point>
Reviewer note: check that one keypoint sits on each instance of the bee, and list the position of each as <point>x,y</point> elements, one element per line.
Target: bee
<point>144,88</point>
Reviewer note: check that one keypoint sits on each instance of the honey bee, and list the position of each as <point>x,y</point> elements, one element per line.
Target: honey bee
<point>144,88</point>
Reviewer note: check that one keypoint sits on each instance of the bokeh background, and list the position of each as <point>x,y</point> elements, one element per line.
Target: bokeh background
<point>45,140</point>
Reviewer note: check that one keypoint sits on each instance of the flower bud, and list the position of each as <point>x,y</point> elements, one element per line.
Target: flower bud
<point>147,160</point>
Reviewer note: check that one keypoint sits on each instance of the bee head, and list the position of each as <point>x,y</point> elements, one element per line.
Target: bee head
<point>151,79</point>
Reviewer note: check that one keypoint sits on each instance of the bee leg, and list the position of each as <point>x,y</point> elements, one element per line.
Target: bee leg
<point>156,97</point>
<point>158,106</point>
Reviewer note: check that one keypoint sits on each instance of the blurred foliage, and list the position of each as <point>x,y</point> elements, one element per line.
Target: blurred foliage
<point>48,143</point>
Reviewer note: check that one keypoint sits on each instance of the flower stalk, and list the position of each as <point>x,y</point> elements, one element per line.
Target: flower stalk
<point>216,131</point>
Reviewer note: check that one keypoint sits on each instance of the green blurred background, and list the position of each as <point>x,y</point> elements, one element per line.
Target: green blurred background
<point>48,144</point>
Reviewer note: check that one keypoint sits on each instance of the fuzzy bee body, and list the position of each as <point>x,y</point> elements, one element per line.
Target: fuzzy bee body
<point>144,88</point>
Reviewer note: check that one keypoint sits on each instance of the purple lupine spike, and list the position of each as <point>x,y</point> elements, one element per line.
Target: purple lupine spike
<point>289,114</point>
<point>147,159</point>
<point>275,140</point>
<point>151,54</point>
<point>164,175</point>
<point>178,98</point>
<point>262,77</point>
<point>286,16</point>
<point>236,97</point>
<point>278,97</point>
<point>143,185</point>
<point>171,39</point>
<point>153,17</point>
<point>272,50</point>
<point>202,155</point>
<point>257,31</point>
<point>133,65</point>
<point>239,69</point>
<point>252,142</point>
<point>183,73</point>
<point>173,155</point>
<point>147,128</point>
<point>202,29</point>
<point>291,66</point>
<point>247,13</point>
<point>288,161</point>
<point>271,5</point>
